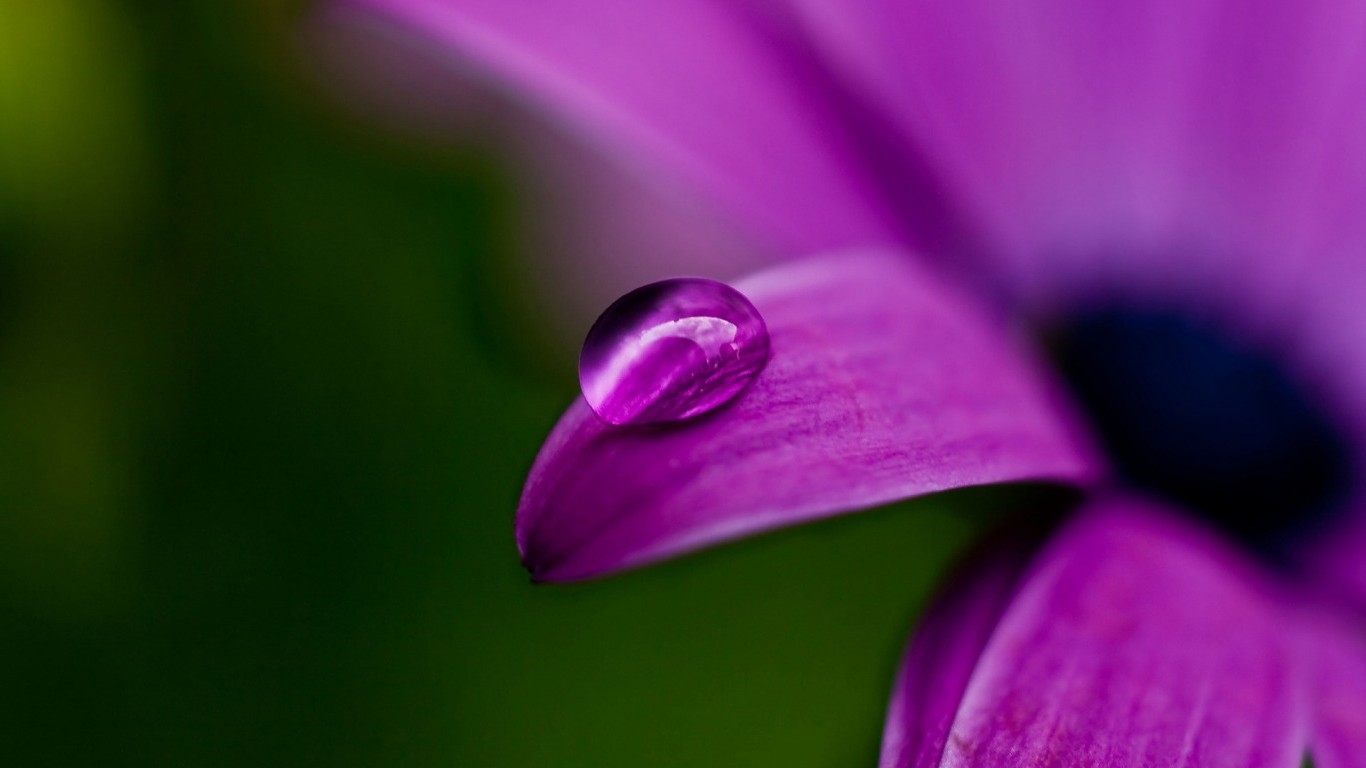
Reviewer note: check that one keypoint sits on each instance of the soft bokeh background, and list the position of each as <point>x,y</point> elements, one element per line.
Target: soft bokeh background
<point>270,379</point>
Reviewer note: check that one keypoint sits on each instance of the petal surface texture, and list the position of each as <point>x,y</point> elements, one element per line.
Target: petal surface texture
<point>1133,640</point>
<point>701,90</point>
<point>883,384</point>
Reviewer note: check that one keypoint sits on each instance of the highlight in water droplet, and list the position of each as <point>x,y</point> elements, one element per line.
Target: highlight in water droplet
<point>670,351</point>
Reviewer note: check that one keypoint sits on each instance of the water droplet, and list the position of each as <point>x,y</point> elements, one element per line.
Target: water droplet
<point>671,350</point>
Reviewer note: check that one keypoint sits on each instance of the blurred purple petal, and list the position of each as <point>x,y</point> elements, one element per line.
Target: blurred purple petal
<point>595,230</point>
<point>1174,140</point>
<point>883,384</point>
<point>1134,640</point>
<point>1336,655</point>
<point>1201,155</point>
<point>1054,120</point>
<point>946,646</point>
<point>589,228</point>
<point>695,89</point>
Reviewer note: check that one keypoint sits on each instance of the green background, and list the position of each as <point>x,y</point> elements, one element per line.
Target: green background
<point>268,392</point>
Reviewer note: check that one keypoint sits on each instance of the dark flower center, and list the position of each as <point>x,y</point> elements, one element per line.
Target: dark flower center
<point>1218,427</point>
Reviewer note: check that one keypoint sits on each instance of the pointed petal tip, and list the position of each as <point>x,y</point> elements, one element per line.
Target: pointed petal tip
<point>538,571</point>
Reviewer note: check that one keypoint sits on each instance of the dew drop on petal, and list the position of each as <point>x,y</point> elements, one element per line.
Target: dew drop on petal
<point>670,351</point>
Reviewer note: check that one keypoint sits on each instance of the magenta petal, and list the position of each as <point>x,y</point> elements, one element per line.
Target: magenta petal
<point>698,89</point>
<point>1134,640</point>
<point>1336,655</point>
<point>1169,142</point>
<point>1057,122</point>
<point>883,384</point>
<point>945,649</point>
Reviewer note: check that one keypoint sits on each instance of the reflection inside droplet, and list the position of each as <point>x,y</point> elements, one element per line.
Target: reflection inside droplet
<point>670,351</point>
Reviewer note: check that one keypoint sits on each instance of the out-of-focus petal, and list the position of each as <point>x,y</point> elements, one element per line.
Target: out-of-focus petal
<point>883,384</point>
<point>1060,123</point>
<point>586,229</point>
<point>1205,155</point>
<point>1168,143</point>
<point>945,649</point>
<point>1133,640</point>
<point>1335,656</point>
<point>694,88</point>
<point>594,231</point>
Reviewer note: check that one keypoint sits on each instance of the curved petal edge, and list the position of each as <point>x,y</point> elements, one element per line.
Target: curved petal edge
<point>943,653</point>
<point>1133,639</point>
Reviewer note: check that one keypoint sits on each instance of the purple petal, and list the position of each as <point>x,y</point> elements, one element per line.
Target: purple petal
<point>1204,154</point>
<point>1336,654</point>
<point>946,647</point>
<point>588,229</point>
<point>1099,140</point>
<point>883,384</point>
<point>1133,641</point>
<point>697,89</point>
<point>1053,120</point>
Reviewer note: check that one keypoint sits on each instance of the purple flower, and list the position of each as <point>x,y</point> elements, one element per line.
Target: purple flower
<point>1159,212</point>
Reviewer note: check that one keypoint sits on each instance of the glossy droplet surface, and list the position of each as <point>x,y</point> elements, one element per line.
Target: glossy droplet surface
<point>672,350</point>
